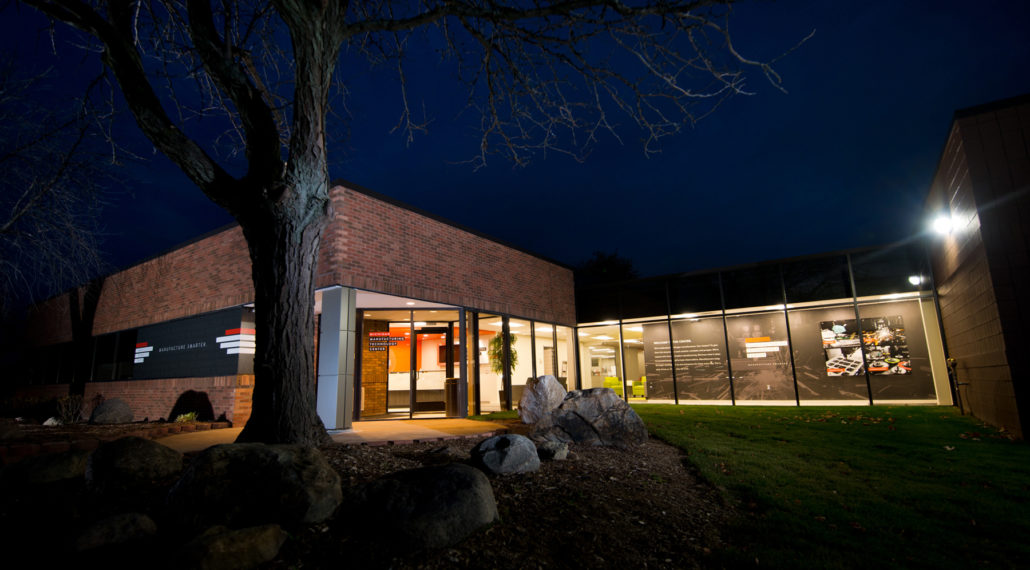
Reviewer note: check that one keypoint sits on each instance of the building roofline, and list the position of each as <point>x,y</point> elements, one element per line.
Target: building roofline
<point>992,106</point>
<point>842,252</point>
<point>414,209</point>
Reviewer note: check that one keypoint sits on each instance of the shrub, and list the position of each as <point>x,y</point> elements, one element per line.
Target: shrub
<point>186,418</point>
<point>69,408</point>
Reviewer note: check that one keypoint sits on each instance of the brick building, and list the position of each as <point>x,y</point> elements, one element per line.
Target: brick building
<point>436,320</point>
<point>390,278</point>
<point>982,260</point>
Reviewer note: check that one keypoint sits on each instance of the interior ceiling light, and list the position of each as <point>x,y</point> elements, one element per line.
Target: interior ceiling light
<point>915,279</point>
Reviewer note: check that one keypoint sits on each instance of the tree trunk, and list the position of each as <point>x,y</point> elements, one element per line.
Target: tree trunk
<point>284,254</point>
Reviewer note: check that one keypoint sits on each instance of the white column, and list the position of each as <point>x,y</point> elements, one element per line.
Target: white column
<point>336,343</point>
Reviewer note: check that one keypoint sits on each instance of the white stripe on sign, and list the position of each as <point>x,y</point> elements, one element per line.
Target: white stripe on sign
<point>238,344</point>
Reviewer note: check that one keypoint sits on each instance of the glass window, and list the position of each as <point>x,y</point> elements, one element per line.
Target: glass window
<point>490,368</point>
<point>890,271</point>
<point>819,279</point>
<point>643,298</point>
<point>695,294</point>
<point>104,363</point>
<point>378,356</point>
<point>601,358</point>
<point>566,357</point>
<point>752,287</point>
<point>827,346</point>
<point>597,303</point>
<point>896,353</point>
<point>521,357</point>
<point>759,357</point>
<point>125,355</point>
<point>700,359</point>
<point>633,350</point>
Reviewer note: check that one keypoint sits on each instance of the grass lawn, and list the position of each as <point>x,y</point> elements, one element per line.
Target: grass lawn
<point>862,487</point>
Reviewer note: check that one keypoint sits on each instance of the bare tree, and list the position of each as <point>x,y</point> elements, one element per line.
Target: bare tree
<point>542,75</point>
<point>49,194</point>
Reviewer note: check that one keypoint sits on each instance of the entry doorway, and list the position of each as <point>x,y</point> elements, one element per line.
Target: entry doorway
<point>409,364</point>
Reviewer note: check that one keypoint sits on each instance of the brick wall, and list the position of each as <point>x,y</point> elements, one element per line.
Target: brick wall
<point>374,372</point>
<point>982,267</point>
<point>374,245</point>
<point>203,276</point>
<point>154,399</point>
<point>370,244</point>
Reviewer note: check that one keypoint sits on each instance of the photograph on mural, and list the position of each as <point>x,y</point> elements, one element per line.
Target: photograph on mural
<point>886,345</point>
<point>842,343</point>
<point>761,357</point>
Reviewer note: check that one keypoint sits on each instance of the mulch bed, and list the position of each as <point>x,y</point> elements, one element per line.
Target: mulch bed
<point>644,507</point>
<point>26,439</point>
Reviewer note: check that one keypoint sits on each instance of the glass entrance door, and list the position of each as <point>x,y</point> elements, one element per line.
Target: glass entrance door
<point>409,364</point>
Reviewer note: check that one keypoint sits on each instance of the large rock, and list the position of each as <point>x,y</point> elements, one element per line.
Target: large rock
<point>596,416</point>
<point>113,411</point>
<point>250,484</point>
<point>553,450</point>
<point>43,469</point>
<point>131,465</point>
<point>428,507</point>
<point>116,530</point>
<point>503,454</point>
<point>220,548</point>
<point>540,396</point>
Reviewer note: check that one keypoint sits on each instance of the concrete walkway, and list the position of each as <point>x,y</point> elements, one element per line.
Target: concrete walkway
<point>385,432</point>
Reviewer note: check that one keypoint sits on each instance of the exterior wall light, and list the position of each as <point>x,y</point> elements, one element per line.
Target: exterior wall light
<point>944,224</point>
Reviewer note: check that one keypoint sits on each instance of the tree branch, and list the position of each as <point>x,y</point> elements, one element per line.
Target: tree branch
<point>121,56</point>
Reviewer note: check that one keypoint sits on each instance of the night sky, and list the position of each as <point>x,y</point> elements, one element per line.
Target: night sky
<point>843,160</point>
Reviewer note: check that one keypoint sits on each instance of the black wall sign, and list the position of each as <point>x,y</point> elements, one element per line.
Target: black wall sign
<point>206,345</point>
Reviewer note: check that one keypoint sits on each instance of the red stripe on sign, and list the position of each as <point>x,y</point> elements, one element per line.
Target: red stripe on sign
<point>140,344</point>
<point>241,331</point>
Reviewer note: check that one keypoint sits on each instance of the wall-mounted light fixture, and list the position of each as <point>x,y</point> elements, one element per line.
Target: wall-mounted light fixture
<point>944,224</point>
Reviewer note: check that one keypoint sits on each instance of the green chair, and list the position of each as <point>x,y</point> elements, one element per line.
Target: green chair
<point>614,383</point>
<point>640,388</point>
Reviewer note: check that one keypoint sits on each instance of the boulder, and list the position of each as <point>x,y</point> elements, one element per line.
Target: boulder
<point>113,411</point>
<point>540,396</point>
<point>596,416</point>
<point>10,432</point>
<point>250,484</point>
<point>43,469</point>
<point>53,422</point>
<point>552,450</point>
<point>504,454</point>
<point>131,465</point>
<point>427,507</point>
<point>220,548</point>
<point>116,530</point>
